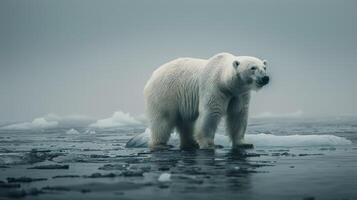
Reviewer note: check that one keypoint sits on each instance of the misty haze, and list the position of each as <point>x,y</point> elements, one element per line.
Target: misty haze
<point>72,111</point>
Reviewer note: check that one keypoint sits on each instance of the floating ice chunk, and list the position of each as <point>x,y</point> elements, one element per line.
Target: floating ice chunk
<point>90,131</point>
<point>119,119</point>
<point>72,131</point>
<point>164,177</point>
<point>262,139</point>
<point>38,123</point>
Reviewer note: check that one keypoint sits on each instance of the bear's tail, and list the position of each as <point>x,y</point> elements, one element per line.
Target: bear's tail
<point>139,141</point>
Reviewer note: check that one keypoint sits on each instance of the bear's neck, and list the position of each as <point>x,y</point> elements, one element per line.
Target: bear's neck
<point>233,83</point>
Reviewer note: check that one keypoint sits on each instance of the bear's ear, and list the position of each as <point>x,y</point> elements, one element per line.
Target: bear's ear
<point>265,62</point>
<point>236,64</point>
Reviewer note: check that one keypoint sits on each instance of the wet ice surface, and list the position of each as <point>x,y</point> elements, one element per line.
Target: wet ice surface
<point>76,163</point>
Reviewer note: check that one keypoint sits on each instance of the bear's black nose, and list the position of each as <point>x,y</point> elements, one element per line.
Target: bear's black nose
<point>265,80</point>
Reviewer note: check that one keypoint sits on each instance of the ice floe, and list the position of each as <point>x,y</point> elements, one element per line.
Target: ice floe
<point>262,139</point>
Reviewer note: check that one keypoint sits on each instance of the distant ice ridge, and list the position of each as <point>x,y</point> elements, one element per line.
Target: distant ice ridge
<point>295,114</point>
<point>119,119</point>
<point>259,140</point>
<point>37,123</point>
<point>50,121</point>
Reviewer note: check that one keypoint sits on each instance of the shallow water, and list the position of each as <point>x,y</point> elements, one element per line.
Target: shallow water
<point>306,167</point>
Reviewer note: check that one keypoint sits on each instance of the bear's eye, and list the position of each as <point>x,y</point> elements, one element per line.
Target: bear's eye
<point>253,68</point>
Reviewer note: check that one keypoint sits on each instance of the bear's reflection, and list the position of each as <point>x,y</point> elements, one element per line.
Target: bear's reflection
<point>199,170</point>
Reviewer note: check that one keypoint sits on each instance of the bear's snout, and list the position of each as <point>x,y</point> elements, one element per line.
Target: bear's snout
<point>265,80</point>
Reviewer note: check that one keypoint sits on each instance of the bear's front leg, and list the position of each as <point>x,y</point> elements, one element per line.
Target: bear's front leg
<point>236,122</point>
<point>206,127</point>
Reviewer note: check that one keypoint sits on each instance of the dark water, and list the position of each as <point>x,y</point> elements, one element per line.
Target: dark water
<point>96,164</point>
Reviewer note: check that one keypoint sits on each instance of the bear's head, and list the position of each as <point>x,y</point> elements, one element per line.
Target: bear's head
<point>251,71</point>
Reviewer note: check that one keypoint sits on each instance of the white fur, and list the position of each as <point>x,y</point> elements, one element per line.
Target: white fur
<point>192,95</point>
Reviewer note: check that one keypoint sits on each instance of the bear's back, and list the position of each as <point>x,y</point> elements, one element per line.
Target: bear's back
<point>179,66</point>
<point>178,71</point>
<point>174,86</point>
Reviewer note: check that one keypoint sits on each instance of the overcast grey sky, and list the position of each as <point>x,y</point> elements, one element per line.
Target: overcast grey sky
<point>94,57</point>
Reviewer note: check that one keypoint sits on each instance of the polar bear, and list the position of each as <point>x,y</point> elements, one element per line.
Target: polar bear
<point>192,95</point>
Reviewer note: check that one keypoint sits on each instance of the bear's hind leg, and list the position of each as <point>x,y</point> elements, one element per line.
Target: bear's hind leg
<point>187,141</point>
<point>161,129</point>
